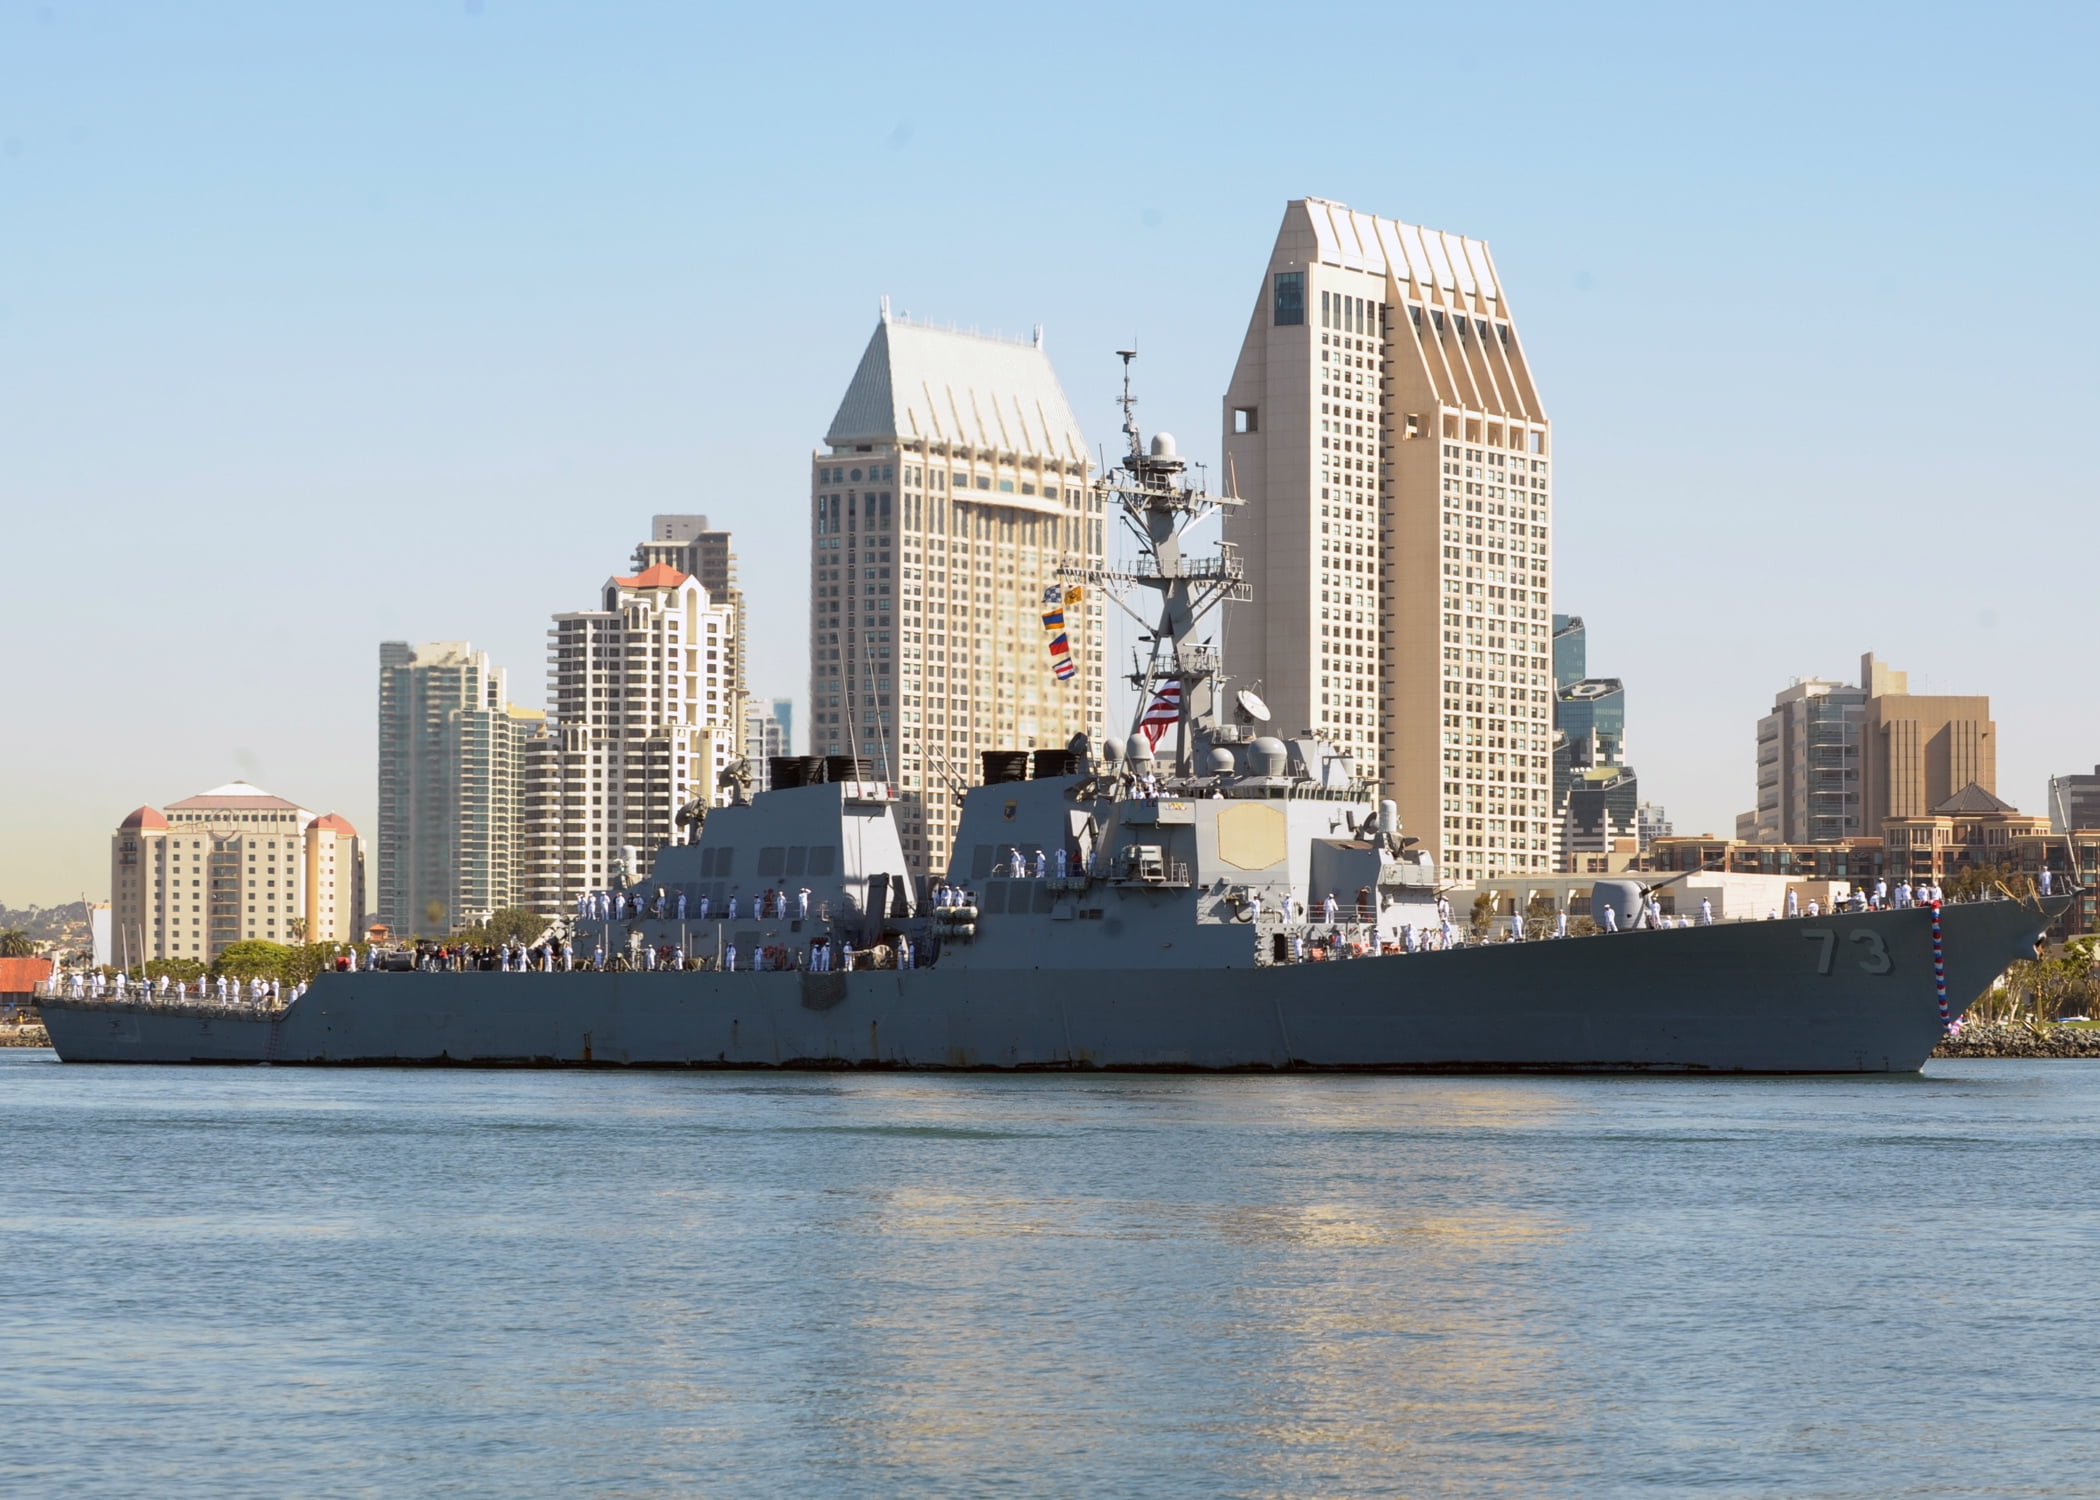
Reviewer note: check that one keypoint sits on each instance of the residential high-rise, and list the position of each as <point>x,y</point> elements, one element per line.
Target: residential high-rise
<point>1919,749</point>
<point>690,545</point>
<point>1383,426</point>
<point>641,722</point>
<point>452,751</point>
<point>950,499</point>
<point>2074,802</point>
<point>769,730</point>
<point>228,865</point>
<point>1809,773</point>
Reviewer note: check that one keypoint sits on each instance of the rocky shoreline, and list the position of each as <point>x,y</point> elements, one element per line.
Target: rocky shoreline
<point>24,1036</point>
<point>2000,1039</point>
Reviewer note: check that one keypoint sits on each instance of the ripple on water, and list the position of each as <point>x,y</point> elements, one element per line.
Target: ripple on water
<point>273,1282</point>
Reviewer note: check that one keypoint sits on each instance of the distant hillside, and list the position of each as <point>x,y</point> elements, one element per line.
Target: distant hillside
<point>65,925</point>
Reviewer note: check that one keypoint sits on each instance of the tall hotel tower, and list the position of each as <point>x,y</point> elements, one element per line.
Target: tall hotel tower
<point>1383,426</point>
<point>948,494</point>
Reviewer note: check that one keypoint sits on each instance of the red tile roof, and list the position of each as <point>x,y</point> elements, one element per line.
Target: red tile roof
<point>18,976</point>
<point>145,817</point>
<point>655,576</point>
<point>333,823</point>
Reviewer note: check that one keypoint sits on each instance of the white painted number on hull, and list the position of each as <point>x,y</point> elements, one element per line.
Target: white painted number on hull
<point>1875,961</point>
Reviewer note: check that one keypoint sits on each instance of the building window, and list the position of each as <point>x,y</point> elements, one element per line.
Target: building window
<point>1290,299</point>
<point>1245,419</point>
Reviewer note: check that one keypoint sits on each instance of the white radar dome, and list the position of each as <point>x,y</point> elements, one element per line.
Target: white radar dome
<point>1163,445</point>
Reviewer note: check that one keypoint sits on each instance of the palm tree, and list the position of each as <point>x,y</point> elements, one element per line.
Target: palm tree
<point>15,943</point>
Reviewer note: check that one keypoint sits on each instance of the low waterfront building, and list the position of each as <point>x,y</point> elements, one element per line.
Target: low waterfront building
<point>228,865</point>
<point>1857,861</point>
<point>1971,829</point>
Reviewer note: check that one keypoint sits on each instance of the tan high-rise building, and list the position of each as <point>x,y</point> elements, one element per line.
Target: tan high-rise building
<point>228,865</point>
<point>949,495</point>
<point>1920,750</point>
<point>1383,427</point>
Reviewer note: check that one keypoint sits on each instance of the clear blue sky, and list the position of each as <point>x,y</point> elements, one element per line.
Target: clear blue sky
<point>326,324</point>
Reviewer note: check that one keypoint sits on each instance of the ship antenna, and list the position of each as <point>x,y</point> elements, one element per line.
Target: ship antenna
<point>1129,402</point>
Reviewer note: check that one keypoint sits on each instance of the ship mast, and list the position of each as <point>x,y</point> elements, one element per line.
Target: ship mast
<point>1159,506</point>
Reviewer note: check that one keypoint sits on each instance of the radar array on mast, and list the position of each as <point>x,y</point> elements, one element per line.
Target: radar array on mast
<point>1159,506</point>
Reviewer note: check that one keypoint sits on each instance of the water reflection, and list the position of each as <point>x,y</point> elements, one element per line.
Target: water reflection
<point>537,1284</point>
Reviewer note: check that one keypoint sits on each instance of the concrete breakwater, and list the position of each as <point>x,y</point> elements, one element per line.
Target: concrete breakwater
<point>2002,1039</point>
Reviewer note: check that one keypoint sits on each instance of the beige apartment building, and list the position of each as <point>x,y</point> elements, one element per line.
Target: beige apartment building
<point>641,720</point>
<point>949,499</point>
<point>1384,429</point>
<point>228,865</point>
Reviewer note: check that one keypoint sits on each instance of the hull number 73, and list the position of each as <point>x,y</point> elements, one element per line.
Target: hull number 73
<point>1874,960</point>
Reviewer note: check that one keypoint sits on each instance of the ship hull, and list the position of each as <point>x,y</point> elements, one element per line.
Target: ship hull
<point>1759,997</point>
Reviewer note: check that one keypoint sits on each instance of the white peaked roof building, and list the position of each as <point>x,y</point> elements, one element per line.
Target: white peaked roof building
<point>950,512</point>
<point>929,384</point>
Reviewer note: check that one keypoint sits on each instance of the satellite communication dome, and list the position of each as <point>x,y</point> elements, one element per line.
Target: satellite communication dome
<point>1163,445</point>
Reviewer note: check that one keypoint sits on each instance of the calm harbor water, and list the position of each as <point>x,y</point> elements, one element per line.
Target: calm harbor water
<point>383,1283</point>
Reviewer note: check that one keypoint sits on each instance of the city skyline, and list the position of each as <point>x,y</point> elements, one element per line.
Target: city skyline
<point>437,353</point>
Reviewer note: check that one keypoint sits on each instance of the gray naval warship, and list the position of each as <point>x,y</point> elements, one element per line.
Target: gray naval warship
<point>1115,909</point>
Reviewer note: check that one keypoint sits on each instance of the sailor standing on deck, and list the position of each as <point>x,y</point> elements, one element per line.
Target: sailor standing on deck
<point>2045,880</point>
<point>1328,909</point>
<point>802,903</point>
<point>1560,928</point>
<point>1793,902</point>
<point>1706,911</point>
<point>1611,919</point>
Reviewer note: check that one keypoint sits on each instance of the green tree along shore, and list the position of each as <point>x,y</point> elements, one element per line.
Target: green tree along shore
<point>255,959</point>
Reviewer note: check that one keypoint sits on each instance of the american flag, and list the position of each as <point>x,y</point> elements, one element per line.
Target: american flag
<point>1164,713</point>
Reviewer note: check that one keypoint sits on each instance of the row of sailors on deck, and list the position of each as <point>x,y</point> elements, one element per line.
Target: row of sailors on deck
<point>1330,910</point>
<point>1881,898</point>
<point>226,991</point>
<point>616,906</point>
<point>1038,865</point>
<point>823,957</point>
